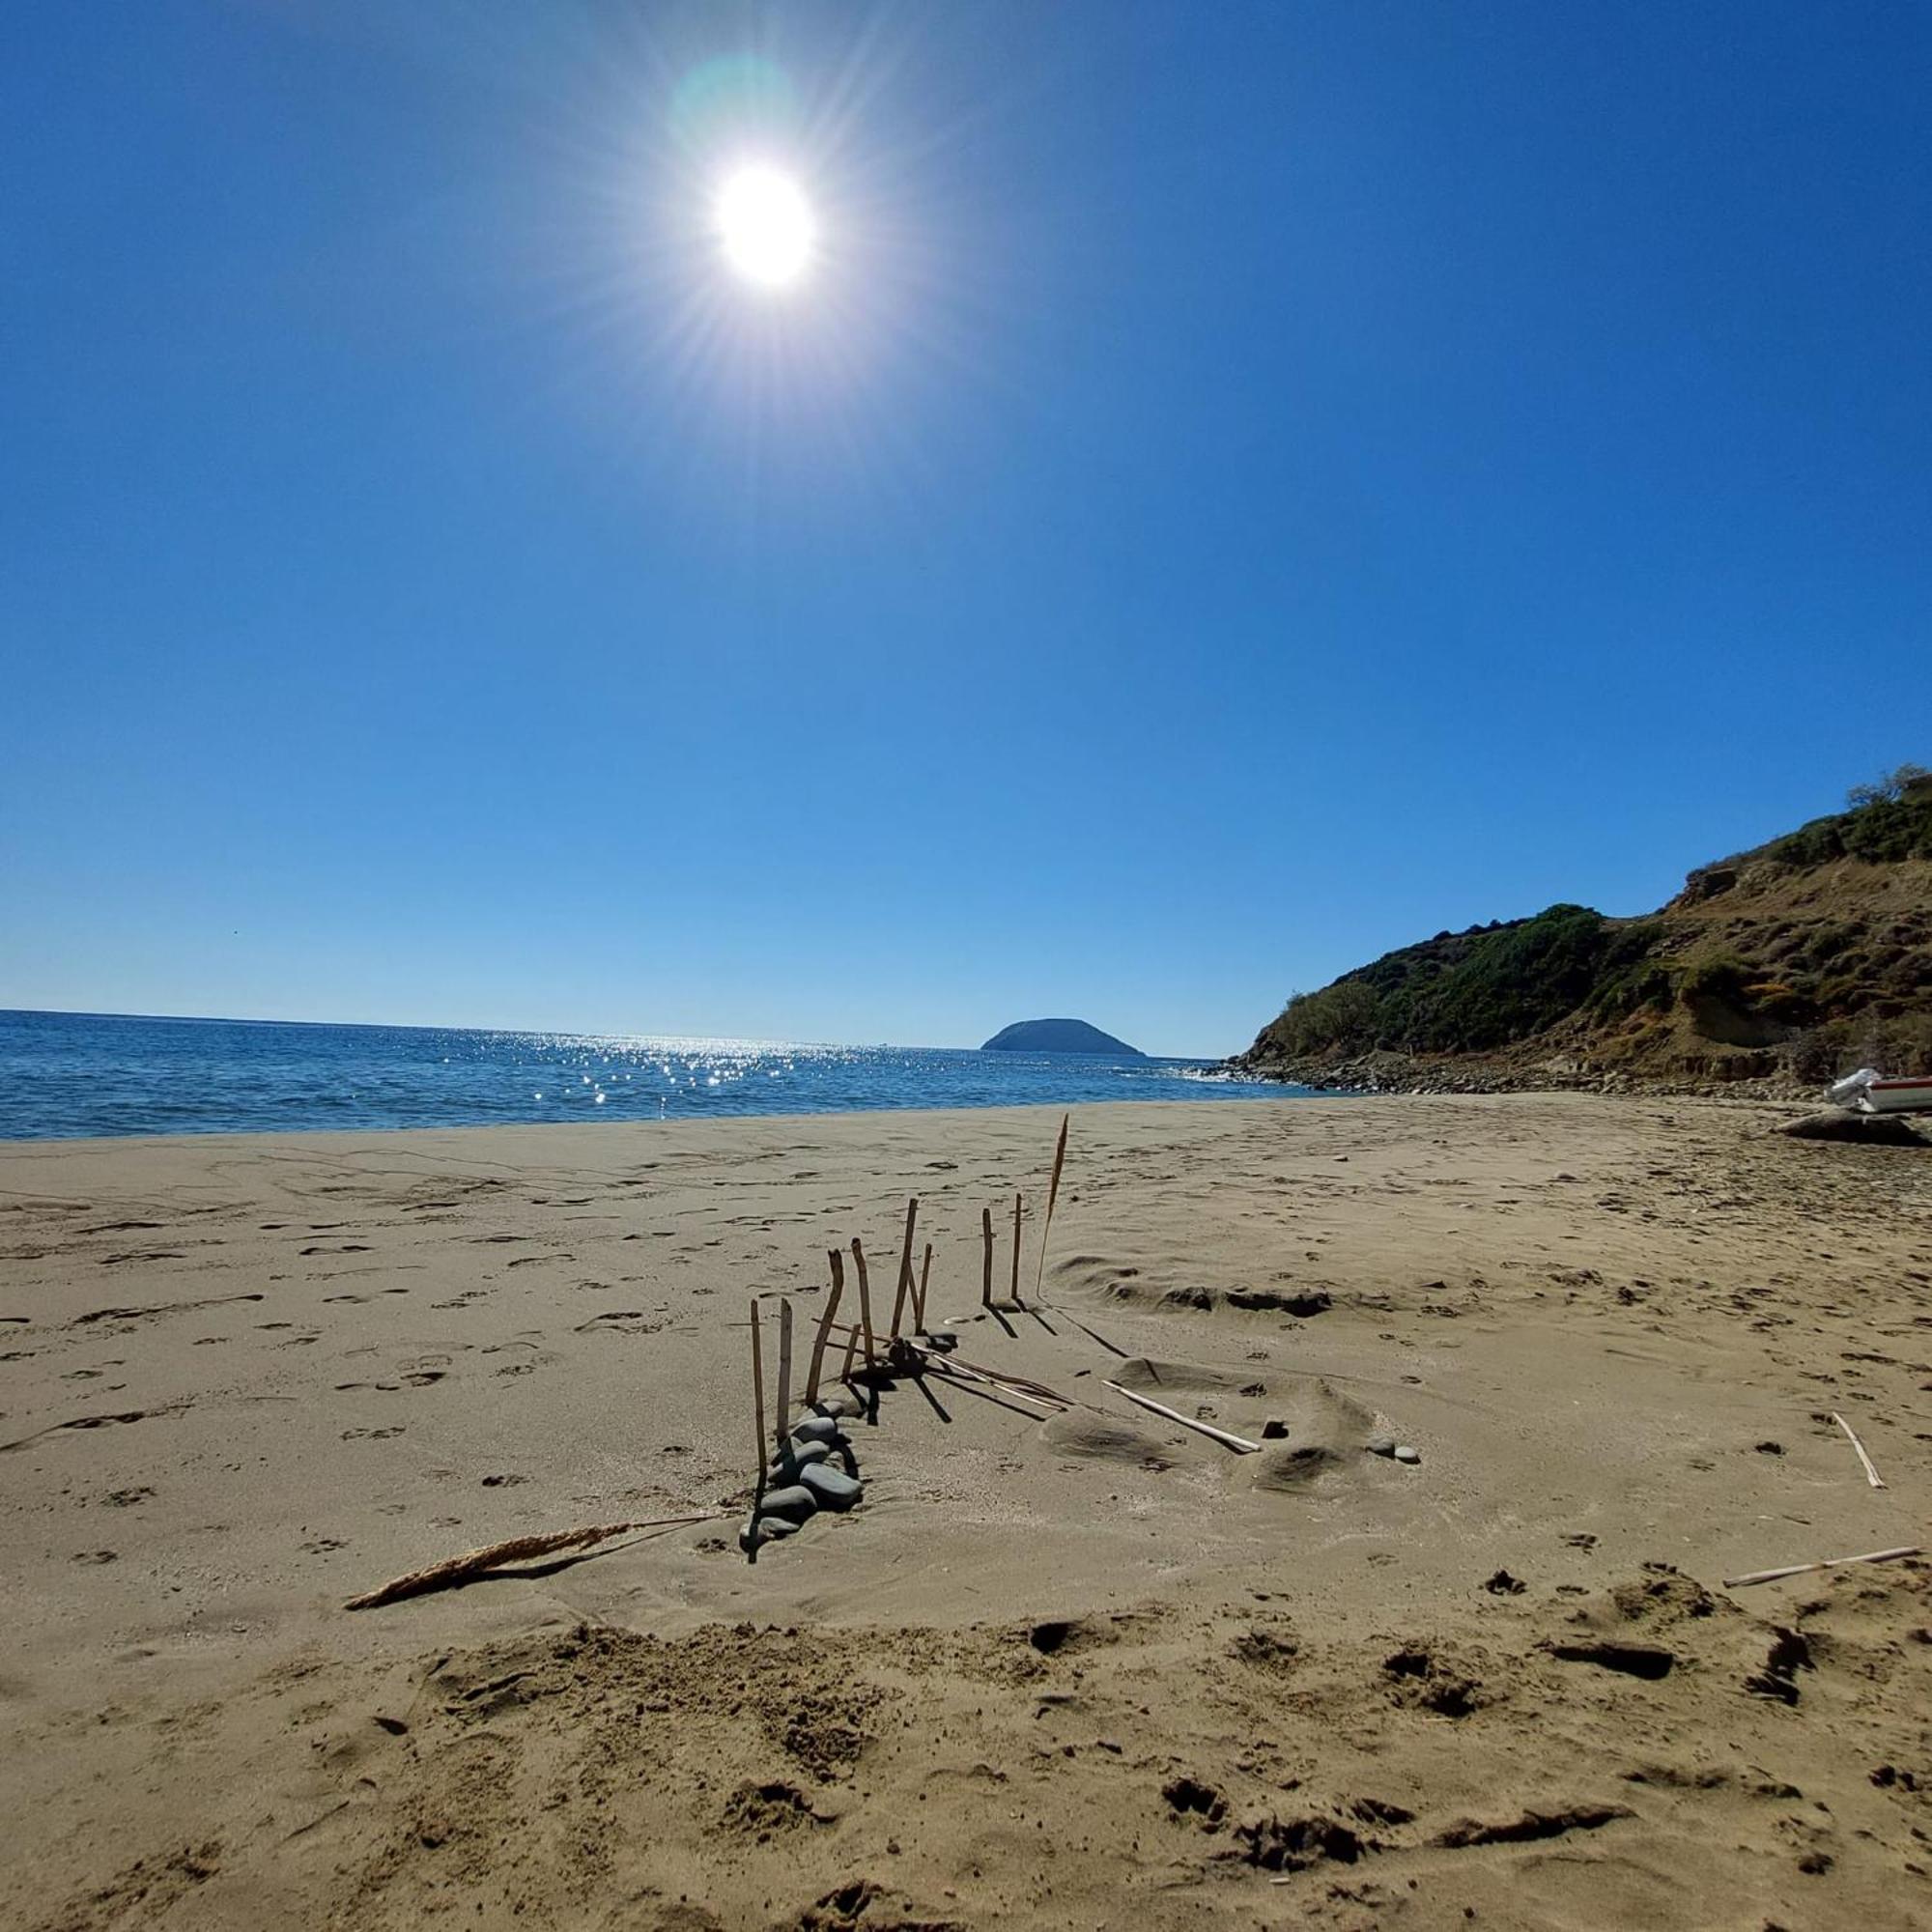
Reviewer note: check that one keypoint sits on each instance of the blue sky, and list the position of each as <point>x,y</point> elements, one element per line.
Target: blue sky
<point>1243,487</point>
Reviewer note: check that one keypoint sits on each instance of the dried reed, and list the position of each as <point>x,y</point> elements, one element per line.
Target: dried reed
<point>474,1563</point>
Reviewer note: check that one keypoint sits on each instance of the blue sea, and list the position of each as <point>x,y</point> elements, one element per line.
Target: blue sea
<point>64,1075</point>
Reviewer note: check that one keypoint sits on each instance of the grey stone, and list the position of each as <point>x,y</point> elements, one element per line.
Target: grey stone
<point>801,1454</point>
<point>1860,1129</point>
<point>1404,1454</point>
<point>833,1488</point>
<point>1380,1445</point>
<point>795,1500</point>
<point>764,1529</point>
<point>815,1429</point>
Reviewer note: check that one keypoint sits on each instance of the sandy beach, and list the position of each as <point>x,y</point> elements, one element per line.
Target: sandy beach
<point>1089,1670</point>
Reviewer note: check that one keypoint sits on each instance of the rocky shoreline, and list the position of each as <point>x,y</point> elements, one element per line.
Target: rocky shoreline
<point>1403,1073</point>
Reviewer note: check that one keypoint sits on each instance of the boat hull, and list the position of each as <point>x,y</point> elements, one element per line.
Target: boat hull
<point>1897,1096</point>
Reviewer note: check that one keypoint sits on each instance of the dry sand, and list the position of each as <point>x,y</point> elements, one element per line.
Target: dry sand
<point>1091,1671</point>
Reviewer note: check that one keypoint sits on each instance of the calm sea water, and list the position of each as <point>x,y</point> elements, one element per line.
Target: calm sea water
<point>69,1074</point>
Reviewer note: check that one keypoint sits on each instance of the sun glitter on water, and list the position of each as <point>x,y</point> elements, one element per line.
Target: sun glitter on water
<point>765,227</point>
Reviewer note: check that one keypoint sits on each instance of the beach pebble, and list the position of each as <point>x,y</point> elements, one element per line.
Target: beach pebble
<point>1404,1454</point>
<point>797,1455</point>
<point>815,1429</point>
<point>943,1339</point>
<point>833,1488</point>
<point>831,1407</point>
<point>795,1500</point>
<point>763,1529</point>
<point>1380,1445</point>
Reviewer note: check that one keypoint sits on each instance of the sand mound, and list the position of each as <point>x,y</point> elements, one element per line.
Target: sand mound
<point>1080,1433</point>
<point>1328,1434</point>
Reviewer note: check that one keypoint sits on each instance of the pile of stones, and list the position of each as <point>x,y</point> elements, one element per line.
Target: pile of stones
<point>815,1470</point>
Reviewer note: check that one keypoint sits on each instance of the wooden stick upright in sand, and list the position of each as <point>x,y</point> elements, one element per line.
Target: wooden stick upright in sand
<point>924,1276</point>
<point>865,1301</point>
<point>1017,1302</point>
<point>986,1273</point>
<point>1052,1195</point>
<point>905,1266</point>
<point>758,1396</point>
<point>783,1420</point>
<point>838,1261</point>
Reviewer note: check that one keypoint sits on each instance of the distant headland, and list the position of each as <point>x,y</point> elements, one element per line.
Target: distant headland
<point>1058,1036</point>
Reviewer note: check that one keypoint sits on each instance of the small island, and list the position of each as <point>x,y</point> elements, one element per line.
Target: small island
<point>1058,1036</point>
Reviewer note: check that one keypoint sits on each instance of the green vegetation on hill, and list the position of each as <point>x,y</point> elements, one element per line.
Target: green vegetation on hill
<point>1787,960</point>
<point>1468,991</point>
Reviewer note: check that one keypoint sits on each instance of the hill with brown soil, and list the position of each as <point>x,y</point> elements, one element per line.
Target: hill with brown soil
<point>1781,967</point>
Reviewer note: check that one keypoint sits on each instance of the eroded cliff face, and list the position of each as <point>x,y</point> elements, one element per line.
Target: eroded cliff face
<point>1777,968</point>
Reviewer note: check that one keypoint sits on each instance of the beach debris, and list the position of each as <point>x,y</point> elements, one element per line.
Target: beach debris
<point>838,1261</point>
<point>1828,1563</point>
<point>864,1302</point>
<point>759,1394</point>
<point>1872,1475</point>
<point>1503,1585</point>
<point>783,1414</point>
<point>1380,1445</point>
<point>1238,1443</point>
<point>1018,1208</point>
<point>1402,1453</point>
<point>986,1272</point>
<point>1274,1430</point>
<point>493,1556</point>
<point>919,1304</point>
<point>904,1291</point>
<point>1052,1195</point>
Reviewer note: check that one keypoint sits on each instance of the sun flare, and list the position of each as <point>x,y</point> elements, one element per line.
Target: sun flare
<point>765,227</point>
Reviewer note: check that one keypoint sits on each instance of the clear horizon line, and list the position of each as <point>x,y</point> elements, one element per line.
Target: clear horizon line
<point>575,1032</point>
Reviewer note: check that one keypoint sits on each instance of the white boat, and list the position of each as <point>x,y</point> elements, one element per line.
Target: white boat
<point>1897,1096</point>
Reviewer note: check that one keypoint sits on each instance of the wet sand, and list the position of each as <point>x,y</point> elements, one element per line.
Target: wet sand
<point>1089,1670</point>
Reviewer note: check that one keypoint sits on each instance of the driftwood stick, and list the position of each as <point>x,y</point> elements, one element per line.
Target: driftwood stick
<point>781,1421</point>
<point>947,1363</point>
<point>919,1305</point>
<point>864,1302</point>
<point>1023,1383</point>
<point>1830,1563</point>
<point>759,1394</point>
<point>1017,1302</point>
<point>1238,1443</point>
<point>838,1261</point>
<point>1872,1476</point>
<point>904,1291</point>
<point>986,1271</point>
<point>493,1555</point>
<point>1005,1396</point>
<point>851,1349</point>
<point>1052,1195</point>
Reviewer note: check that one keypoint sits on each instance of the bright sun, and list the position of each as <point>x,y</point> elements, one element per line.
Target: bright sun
<point>765,227</point>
